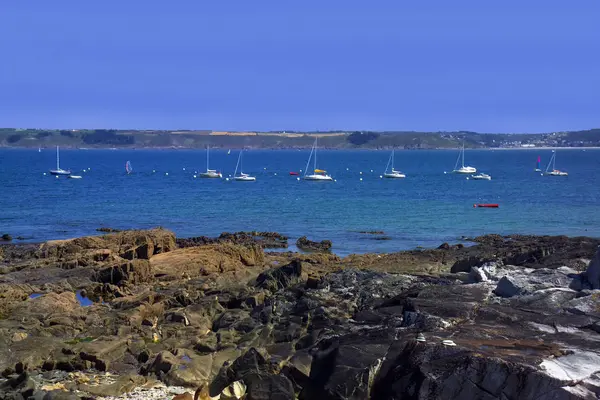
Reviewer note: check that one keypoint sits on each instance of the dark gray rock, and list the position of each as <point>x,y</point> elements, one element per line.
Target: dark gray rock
<point>262,386</point>
<point>344,368</point>
<point>418,371</point>
<point>304,243</point>
<point>251,363</point>
<point>477,274</point>
<point>280,278</point>
<point>512,286</point>
<point>592,272</point>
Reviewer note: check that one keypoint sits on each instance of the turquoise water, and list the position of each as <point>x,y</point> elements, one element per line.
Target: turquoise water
<point>425,209</point>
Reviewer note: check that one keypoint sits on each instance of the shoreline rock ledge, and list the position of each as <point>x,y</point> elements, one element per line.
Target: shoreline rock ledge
<point>508,318</point>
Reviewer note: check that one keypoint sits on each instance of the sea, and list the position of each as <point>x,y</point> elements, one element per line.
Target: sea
<point>429,207</point>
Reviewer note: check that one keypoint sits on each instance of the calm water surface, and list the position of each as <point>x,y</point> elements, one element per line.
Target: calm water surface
<point>425,209</point>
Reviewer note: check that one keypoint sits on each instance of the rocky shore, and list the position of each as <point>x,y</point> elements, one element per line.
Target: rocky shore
<point>143,315</point>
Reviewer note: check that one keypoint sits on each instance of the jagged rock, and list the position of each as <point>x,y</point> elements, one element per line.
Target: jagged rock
<point>477,274</point>
<point>282,277</point>
<point>9,296</point>
<point>347,331</point>
<point>49,304</point>
<point>124,384</point>
<point>592,272</point>
<point>262,386</point>
<point>345,367</point>
<point>129,244</point>
<point>251,362</point>
<point>512,286</point>
<point>262,239</point>
<point>205,260</point>
<point>131,272</point>
<point>587,305</point>
<point>304,243</point>
<point>547,299</point>
<point>101,353</point>
<point>415,370</point>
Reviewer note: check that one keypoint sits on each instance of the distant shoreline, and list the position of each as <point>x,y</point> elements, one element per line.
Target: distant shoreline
<point>221,148</point>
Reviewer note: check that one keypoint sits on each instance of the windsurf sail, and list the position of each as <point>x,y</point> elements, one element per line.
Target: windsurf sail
<point>539,161</point>
<point>128,168</point>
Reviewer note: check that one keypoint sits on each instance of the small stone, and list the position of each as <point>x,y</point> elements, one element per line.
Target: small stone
<point>18,336</point>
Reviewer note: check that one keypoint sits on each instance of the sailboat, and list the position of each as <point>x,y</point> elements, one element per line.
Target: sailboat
<point>463,169</point>
<point>393,173</point>
<point>538,166</point>
<point>210,173</point>
<point>128,168</point>
<point>554,171</point>
<point>58,170</point>
<point>242,176</point>
<point>318,174</point>
<point>481,177</point>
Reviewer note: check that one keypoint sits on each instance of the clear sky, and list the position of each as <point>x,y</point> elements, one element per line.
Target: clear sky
<point>489,66</point>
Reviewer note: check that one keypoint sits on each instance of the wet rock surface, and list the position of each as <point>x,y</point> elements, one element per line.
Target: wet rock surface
<point>508,318</point>
<point>263,239</point>
<point>304,243</point>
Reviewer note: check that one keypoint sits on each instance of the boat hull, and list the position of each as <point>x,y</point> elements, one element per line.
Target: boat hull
<point>318,178</point>
<point>556,173</point>
<point>59,172</point>
<point>74,177</point>
<point>394,176</point>
<point>482,177</point>
<point>210,175</point>
<point>465,170</point>
<point>244,178</point>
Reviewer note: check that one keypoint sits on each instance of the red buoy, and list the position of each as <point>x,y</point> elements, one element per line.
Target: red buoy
<point>486,205</point>
<point>293,173</point>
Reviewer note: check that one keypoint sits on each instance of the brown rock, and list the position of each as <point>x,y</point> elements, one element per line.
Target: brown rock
<point>133,272</point>
<point>205,260</point>
<point>9,296</point>
<point>49,304</point>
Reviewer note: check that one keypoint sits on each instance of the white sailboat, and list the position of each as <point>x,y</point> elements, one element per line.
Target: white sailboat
<point>210,173</point>
<point>318,174</point>
<point>59,170</point>
<point>481,177</point>
<point>463,169</point>
<point>554,171</point>
<point>393,173</point>
<point>242,176</point>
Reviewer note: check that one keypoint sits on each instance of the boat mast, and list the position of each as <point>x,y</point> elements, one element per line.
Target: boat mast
<point>463,155</point>
<point>315,164</point>
<point>309,157</point>
<point>238,163</point>
<point>57,159</point>
<point>388,164</point>
<point>554,161</point>
<point>392,160</point>
<point>550,161</point>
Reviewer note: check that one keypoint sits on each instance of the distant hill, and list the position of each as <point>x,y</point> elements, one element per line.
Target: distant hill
<point>110,138</point>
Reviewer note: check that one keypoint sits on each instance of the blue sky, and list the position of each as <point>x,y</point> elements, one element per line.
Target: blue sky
<point>489,66</point>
